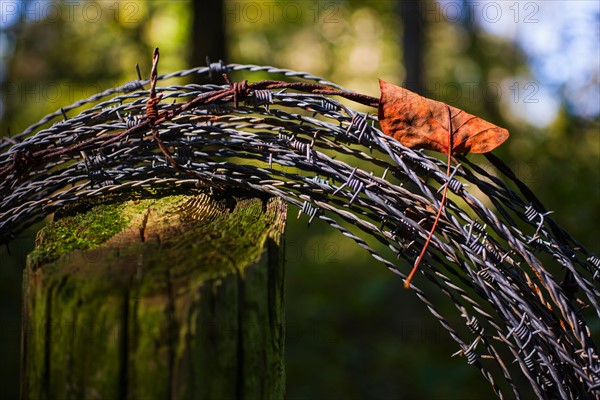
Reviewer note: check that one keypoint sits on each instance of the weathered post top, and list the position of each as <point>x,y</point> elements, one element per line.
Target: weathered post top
<point>174,297</point>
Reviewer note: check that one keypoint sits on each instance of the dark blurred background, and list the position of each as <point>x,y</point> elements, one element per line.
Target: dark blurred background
<point>353,332</point>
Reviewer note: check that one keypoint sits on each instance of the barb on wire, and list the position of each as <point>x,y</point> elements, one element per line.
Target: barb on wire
<point>152,110</point>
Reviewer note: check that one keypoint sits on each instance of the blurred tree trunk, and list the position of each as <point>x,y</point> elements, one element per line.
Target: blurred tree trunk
<point>208,32</point>
<point>413,42</point>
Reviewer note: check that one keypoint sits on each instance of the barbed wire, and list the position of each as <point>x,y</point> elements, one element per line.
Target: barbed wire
<point>496,254</point>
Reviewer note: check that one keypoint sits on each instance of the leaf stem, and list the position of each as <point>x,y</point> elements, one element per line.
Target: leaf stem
<point>439,213</point>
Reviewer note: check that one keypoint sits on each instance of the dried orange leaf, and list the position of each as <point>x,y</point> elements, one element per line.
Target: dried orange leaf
<point>419,122</point>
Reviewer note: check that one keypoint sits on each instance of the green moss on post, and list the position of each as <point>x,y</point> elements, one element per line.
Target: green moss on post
<point>179,297</point>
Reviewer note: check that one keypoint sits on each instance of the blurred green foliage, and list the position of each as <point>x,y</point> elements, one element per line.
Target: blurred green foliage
<point>353,331</point>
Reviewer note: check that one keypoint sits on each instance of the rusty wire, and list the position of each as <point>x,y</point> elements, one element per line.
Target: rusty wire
<point>496,255</point>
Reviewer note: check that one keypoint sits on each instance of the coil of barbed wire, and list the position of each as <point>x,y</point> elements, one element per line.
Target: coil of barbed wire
<point>333,163</point>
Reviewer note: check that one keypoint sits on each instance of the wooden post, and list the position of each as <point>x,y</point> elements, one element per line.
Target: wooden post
<point>173,298</point>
